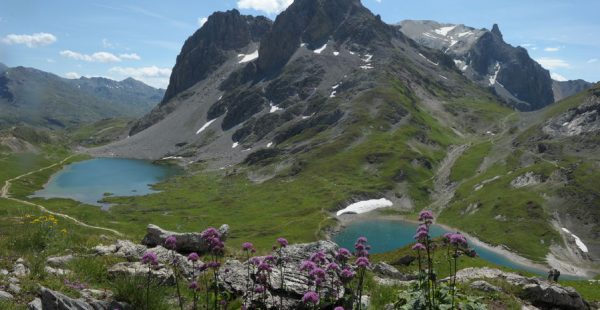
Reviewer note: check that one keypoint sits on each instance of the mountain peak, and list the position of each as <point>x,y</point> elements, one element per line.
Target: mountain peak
<point>206,49</point>
<point>496,31</point>
<point>314,22</point>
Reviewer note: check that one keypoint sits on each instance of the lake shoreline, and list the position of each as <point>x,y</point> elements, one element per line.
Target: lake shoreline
<point>345,219</point>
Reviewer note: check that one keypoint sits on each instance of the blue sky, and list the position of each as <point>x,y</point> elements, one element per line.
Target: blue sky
<point>142,38</point>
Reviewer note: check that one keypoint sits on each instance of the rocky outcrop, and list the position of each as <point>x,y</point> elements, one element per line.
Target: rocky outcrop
<point>134,252</point>
<point>159,273</point>
<point>541,294</point>
<point>553,296</point>
<point>186,242</point>
<point>527,179</point>
<point>576,121</point>
<point>59,261</point>
<point>20,269</point>
<point>484,286</point>
<point>234,275</point>
<point>388,271</point>
<point>52,300</point>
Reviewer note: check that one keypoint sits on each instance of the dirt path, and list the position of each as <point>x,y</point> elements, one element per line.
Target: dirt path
<point>5,193</point>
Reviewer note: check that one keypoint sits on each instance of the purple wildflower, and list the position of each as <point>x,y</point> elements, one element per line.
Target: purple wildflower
<point>338,308</point>
<point>259,289</point>
<point>362,262</point>
<point>307,265</point>
<point>193,257</point>
<point>264,266</point>
<point>447,236</point>
<point>318,257</point>
<point>426,216</point>
<point>193,285</point>
<point>247,246</point>
<point>310,297</point>
<point>347,274</point>
<point>458,239</point>
<point>361,240</point>
<point>282,242</point>
<point>418,246</point>
<point>214,265</point>
<point>317,273</point>
<point>171,242</point>
<point>150,258</point>
<point>421,234</point>
<point>333,267</point>
<point>342,254</point>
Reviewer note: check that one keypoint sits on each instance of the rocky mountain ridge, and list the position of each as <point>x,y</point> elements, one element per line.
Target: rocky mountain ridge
<point>42,99</point>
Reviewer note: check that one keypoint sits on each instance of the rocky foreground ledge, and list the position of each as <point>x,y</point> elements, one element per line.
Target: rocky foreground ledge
<point>533,293</point>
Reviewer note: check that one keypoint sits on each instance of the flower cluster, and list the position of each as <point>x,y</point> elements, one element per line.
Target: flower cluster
<point>212,237</point>
<point>150,259</point>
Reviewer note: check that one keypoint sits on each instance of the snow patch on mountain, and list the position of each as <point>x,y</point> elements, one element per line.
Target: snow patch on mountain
<point>320,49</point>
<point>365,206</point>
<point>205,126</point>
<point>248,57</point>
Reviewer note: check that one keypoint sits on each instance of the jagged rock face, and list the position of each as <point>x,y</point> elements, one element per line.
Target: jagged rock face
<point>223,35</point>
<point>549,296</point>
<point>484,57</point>
<point>314,22</point>
<point>584,119</point>
<point>207,49</point>
<point>52,300</point>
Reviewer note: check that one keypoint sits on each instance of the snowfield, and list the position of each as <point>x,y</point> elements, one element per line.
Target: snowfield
<point>248,57</point>
<point>365,206</point>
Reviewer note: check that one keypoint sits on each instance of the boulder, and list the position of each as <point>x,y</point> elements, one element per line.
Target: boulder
<point>405,260</point>
<point>6,296</point>
<point>389,271</point>
<point>52,300</point>
<point>4,272</point>
<point>56,271</point>
<point>186,242</point>
<point>19,269</point>
<point>14,288</point>
<point>59,261</point>
<point>129,269</point>
<point>484,286</point>
<point>35,304</point>
<point>551,296</point>
<point>233,275</point>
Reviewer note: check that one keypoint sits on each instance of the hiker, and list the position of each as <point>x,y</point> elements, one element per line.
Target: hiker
<point>556,275</point>
<point>550,275</point>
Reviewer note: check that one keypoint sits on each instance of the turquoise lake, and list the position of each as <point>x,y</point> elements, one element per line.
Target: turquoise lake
<point>386,235</point>
<point>88,181</point>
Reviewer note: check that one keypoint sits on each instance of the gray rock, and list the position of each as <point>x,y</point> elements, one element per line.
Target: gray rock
<point>128,269</point>
<point>14,280</point>
<point>186,242</point>
<point>527,179</point>
<point>56,271</point>
<point>35,304</point>
<point>20,270</point>
<point>4,272</point>
<point>14,288</point>
<point>233,275</point>
<point>550,296</point>
<point>390,271</point>
<point>6,296</point>
<point>92,294</point>
<point>59,261</point>
<point>484,286</point>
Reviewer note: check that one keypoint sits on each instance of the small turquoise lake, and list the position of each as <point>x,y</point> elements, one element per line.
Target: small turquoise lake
<point>387,235</point>
<point>88,181</point>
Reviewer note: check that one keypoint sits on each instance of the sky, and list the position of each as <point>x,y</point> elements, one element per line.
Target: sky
<point>142,38</point>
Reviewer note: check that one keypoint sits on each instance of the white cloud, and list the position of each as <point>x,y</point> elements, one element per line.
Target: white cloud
<point>557,77</point>
<point>98,56</point>
<point>50,60</point>
<point>267,6</point>
<point>132,56</point>
<point>202,21</point>
<point>552,49</point>
<point>553,63</point>
<point>30,40</point>
<point>593,60</point>
<point>72,75</point>
<point>153,75</point>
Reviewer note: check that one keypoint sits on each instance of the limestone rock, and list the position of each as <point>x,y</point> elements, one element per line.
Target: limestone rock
<point>14,288</point>
<point>56,271</point>
<point>59,261</point>
<point>35,304</point>
<point>484,286</point>
<point>4,272</point>
<point>234,275</point>
<point>527,179</point>
<point>6,296</point>
<point>19,269</point>
<point>389,271</point>
<point>128,269</point>
<point>186,242</point>
<point>549,296</point>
